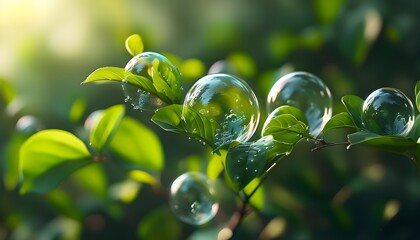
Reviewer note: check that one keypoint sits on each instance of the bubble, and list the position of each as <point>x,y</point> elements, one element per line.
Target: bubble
<point>142,65</point>
<point>29,125</point>
<point>222,66</point>
<point>305,92</point>
<point>227,101</point>
<point>387,111</point>
<point>192,198</point>
<point>92,119</point>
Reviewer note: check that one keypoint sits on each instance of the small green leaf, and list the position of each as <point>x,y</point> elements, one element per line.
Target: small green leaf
<point>143,177</point>
<point>215,165</point>
<point>246,161</point>
<point>354,106</point>
<point>134,44</point>
<point>49,156</point>
<point>7,91</point>
<point>93,179</point>
<point>415,130</point>
<point>121,75</point>
<point>137,145</point>
<point>194,124</point>
<point>257,199</point>
<point>104,129</point>
<point>286,128</point>
<point>11,160</point>
<point>166,81</point>
<point>341,120</point>
<point>395,144</point>
<point>296,112</point>
<point>417,92</point>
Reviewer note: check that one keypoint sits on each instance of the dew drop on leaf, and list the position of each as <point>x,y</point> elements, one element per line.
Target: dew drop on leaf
<point>387,111</point>
<point>228,101</point>
<point>306,92</point>
<point>142,65</point>
<point>192,198</point>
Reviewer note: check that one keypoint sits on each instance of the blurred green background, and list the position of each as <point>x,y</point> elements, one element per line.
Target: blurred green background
<point>47,48</point>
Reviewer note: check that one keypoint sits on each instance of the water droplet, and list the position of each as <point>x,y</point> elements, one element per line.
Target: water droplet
<point>255,170</point>
<point>142,65</point>
<point>192,198</point>
<point>387,111</point>
<point>305,92</point>
<point>212,97</point>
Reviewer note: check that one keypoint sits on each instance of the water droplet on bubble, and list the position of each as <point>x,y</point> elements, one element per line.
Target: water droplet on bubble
<point>387,111</point>
<point>305,92</point>
<point>142,65</point>
<point>192,198</point>
<point>215,97</point>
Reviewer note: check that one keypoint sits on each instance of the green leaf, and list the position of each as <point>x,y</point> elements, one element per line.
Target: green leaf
<point>104,129</point>
<point>134,44</point>
<point>258,198</point>
<point>341,120</point>
<point>166,81</point>
<point>354,106</point>
<point>246,161</point>
<point>49,156</point>
<point>93,179</point>
<point>194,124</point>
<point>215,165</point>
<point>395,144</point>
<point>7,91</point>
<point>296,112</point>
<point>415,130</point>
<point>417,92</point>
<point>137,145</point>
<point>151,225</point>
<point>11,160</point>
<point>286,129</point>
<point>143,177</point>
<point>121,75</point>
<point>327,11</point>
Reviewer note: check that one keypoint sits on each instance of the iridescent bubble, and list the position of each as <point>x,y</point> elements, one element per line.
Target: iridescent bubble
<point>192,198</point>
<point>142,65</point>
<point>306,92</point>
<point>387,111</point>
<point>228,101</point>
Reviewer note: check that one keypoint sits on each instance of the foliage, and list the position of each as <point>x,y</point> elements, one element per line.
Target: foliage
<point>117,161</point>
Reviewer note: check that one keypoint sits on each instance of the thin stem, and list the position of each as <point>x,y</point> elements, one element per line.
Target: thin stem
<point>328,144</point>
<point>238,216</point>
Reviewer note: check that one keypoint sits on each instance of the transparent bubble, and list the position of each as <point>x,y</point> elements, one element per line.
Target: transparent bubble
<point>192,198</point>
<point>387,111</point>
<point>29,124</point>
<point>228,101</point>
<point>222,66</point>
<point>305,92</point>
<point>142,65</point>
<point>92,119</point>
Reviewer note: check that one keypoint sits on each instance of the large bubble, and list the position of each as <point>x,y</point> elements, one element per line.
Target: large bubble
<point>142,65</point>
<point>192,198</point>
<point>387,111</point>
<point>306,92</point>
<point>228,101</point>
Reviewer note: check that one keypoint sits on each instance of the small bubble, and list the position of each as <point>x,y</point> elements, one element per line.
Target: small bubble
<point>192,198</point>
<point>306,92</point>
